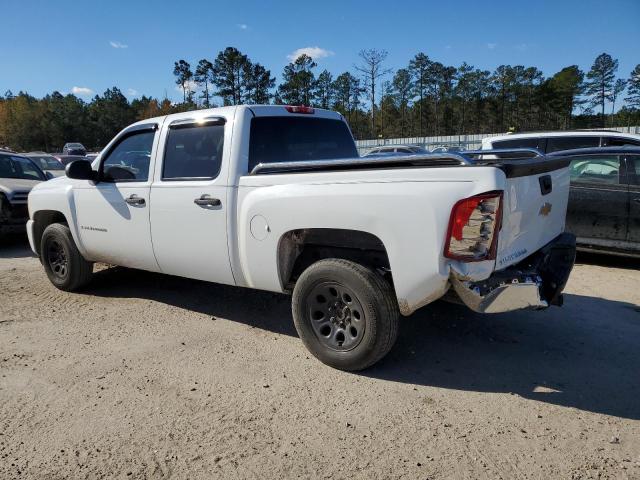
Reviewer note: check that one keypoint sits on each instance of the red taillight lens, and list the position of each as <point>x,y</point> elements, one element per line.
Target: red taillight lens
<point>299,109</point>
<point>473,228</point>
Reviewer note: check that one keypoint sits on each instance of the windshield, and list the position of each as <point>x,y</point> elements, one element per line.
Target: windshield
<point>48,163</point>
<point>290,139</point>
<point>19,167</point>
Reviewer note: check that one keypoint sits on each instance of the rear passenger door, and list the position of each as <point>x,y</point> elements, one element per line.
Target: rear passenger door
<point>633,163</point>
<point>598,199</point>
<point>188,200</point>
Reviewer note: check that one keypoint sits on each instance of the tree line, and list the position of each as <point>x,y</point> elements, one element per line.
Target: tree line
<point>424,98</point>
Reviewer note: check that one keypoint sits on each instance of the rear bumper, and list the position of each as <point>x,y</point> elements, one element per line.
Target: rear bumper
<point>536,282</point>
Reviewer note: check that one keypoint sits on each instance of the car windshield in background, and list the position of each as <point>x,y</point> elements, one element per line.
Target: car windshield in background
<point>48,163</point>
<point>290,139</point>
<point>19,167</point>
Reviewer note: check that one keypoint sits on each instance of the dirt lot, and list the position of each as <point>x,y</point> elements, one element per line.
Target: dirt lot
<point>146,376</point>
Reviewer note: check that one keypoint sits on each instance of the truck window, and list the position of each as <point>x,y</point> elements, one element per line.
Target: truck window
<point>129,160</point>
<point>193,152</point>
<point>289,139</point>
<point>555,144</point>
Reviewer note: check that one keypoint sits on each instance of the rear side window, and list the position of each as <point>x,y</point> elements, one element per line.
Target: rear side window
<point>596,169</point>
<point>193,152</point>
<point>555,144</point>
<point>620,141</point>
<point>289,139</point>
<point>517,143</point>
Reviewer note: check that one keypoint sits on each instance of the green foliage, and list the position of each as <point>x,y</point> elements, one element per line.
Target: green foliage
<point>600,81</point>
<point>298,82</point>
<point>424,98</point>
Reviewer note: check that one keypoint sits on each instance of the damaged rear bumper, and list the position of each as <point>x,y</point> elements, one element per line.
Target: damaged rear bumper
<point>536,282</point>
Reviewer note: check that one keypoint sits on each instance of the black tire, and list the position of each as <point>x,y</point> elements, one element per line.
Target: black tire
<point>65,266</point>
<point>354,297</point>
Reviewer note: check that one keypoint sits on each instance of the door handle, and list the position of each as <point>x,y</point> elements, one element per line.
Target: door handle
<point>207,201</point>
<point>135,200</point>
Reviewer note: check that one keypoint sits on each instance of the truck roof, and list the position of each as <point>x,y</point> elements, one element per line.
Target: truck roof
<point>257,110</point>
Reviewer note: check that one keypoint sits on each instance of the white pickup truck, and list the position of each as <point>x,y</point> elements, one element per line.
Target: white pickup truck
<point>276,198</point>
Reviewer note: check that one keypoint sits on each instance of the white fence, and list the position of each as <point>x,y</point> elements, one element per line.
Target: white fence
<point>467,141</point>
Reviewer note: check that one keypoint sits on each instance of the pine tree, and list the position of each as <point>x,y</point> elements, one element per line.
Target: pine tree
<point>600,81</point>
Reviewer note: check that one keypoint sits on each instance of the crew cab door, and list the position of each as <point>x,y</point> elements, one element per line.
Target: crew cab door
<point>633,165</point>
<point>598,199</point>
<point>188,200</point>
<point>113,214</point>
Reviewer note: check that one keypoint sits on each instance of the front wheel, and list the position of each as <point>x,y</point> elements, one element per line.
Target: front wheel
<point>345,314</point>
<point>64,264</point>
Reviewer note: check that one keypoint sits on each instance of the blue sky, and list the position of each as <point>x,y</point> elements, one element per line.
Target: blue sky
<point>88,46</point>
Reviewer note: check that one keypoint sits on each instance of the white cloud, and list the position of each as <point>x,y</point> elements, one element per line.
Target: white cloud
<point>132,92</point>
<point>522,46</point>
<point>243,26</point>
<point>118,44</point>
<point>82,91</point>
<point>491,46</point>
<point>313,52</point>
<point>190,86</point>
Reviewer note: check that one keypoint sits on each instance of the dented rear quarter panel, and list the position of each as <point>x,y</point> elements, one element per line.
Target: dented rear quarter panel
<point>407,209</point>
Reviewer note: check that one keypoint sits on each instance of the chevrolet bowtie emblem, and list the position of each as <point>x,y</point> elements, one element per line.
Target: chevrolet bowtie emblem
<point>545,209</point>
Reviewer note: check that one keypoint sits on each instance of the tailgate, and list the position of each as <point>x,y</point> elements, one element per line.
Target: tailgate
<point>534,211</point>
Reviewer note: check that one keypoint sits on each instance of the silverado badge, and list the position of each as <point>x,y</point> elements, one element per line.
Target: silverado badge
<point>545,209</point>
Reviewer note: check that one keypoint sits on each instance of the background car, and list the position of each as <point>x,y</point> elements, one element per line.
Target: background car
<point>406,149</point>
<point>65,159</point>
<point>18,175</point>
<point>74,149</point>
<point>549,142</point>
<point>447,149</point>
<point>48,163</point>
<point>604,199</point>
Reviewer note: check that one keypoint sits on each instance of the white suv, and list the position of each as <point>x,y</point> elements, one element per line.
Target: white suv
<point>549,142</point>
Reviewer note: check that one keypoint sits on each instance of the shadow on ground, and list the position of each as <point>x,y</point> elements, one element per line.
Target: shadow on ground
<point>15,246</point>
<point>584,355</point>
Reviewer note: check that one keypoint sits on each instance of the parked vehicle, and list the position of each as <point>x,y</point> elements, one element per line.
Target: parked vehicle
<point>74,149</point>
<point>447,148</point>
<point>91,156</point>
<point>282,202</point>
<point>18,175</point>
<point>47,163</point>
<point>66,159</point>
<point>410,149</point>
<point>604,199</point>
<point>549,142</point>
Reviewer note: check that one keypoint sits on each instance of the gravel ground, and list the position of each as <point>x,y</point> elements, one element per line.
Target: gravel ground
<point>148,376</point>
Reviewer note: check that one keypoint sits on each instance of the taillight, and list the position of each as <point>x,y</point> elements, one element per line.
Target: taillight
<point>473,228</point>
<point>299,109</point>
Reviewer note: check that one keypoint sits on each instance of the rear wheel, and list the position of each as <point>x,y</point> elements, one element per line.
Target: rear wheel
<point>65,266</point>
<point>345,314</point>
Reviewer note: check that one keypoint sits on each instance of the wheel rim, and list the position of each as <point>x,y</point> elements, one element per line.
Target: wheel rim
<point>336,316</point>
<point>57,259</point>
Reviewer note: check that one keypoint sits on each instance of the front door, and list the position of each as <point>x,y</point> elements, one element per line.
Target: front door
<point>113,215</point>
<point>188,202</point>
<point>598,199</point>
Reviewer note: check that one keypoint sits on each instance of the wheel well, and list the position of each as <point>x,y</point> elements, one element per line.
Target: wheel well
<point>298,249</point>
<point>41,220</point>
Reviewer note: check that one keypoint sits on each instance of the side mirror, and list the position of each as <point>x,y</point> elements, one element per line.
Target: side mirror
<point>81,170</point>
